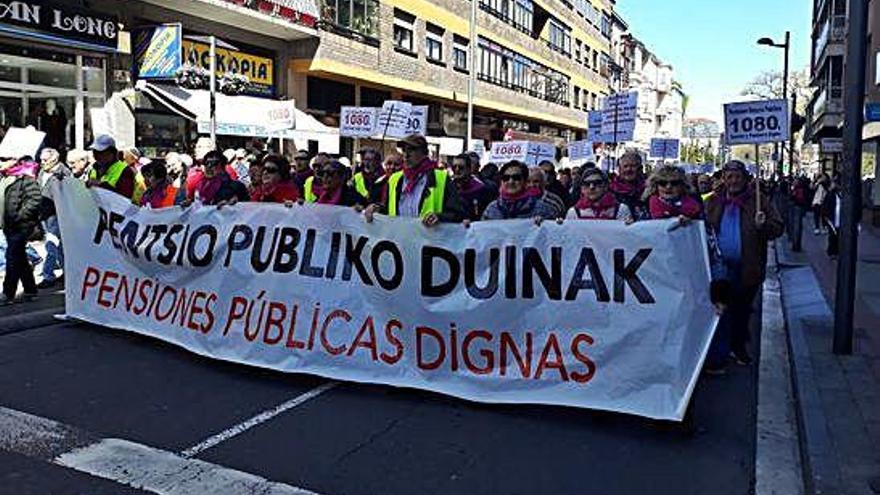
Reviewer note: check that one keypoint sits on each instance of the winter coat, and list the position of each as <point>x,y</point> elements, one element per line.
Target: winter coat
<point>527,207</point>
<point>22,205</point>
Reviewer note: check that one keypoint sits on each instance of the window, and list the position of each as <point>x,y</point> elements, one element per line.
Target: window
<point>587,54</point>
<point>606,26</point>
<point>503,67</point>
<point>434,42</point>
<point>560,37</point>
<point>352,16</point>
<point>595,61</point>
<point>518,13</point>
<point>459,53</point>
<point>403,30</point>
<point>577,51</point>
<point>577,97</point>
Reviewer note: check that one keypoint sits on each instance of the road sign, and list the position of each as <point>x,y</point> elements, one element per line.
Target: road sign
<point>872,112</point>
<point>831,145</point>
<point>664,148</point>
<point>756,122</point>
<point>619,114</point>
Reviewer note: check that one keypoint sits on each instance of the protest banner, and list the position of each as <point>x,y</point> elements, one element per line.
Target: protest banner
<point>664,148</point>
<point>358,121</point>
<point>756,122</point>
<point>586,314</point>
<point>20,142</point>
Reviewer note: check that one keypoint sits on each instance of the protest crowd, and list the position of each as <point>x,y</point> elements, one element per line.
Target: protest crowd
<point>409,183</point>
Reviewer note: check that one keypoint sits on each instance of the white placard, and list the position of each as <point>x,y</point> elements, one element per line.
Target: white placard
<point>505,151</point>
<point>391,302</point>
<point>281,115</point>
<point>619,114</point>
<point>394,119</point>
<point>756,122</point>
<point>581,151</point>
<point>20,142</point>
<point>358,121</point>
<point>417,122</point>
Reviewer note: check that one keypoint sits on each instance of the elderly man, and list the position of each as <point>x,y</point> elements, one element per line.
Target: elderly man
<point>538,181</point>
<point>743,230</point>
<point>421,189</point>
<point>552,183</point>
<point>365,180</point>
<point>109,172</point>
<point>475,195</point>
<point>52,170</point>
<point>628,185</point>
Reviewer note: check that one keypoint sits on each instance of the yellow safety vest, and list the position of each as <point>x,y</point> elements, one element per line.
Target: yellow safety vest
<point>140,187</point>
<point>433,202</point>
<point>309,190</point>
<point>705,196</point>
<point>360,185</point>
<point>112,175</point>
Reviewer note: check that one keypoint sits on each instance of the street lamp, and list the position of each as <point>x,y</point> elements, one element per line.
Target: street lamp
<point>786,47</point>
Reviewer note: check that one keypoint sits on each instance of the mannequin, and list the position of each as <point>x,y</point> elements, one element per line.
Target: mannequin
<point>54,123</point>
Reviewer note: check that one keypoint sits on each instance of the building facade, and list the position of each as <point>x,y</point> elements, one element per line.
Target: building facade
<point>825,110</point>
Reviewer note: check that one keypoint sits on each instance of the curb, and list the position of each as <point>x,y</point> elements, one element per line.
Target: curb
<point>803,300</point>
<point>33,319</point>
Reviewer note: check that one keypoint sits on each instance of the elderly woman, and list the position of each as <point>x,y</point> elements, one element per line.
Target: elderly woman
<point>516,200</point>
<point>332,188</point>
<point>668,196</point>
<point>597,202</point>
<point>276,185</point>
<point>160,192</point>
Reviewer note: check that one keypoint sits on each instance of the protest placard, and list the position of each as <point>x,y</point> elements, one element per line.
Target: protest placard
<point>664,148</point>
<point>20,142</point>
<point>581,151</point>
<point>358,121</point>
<point>756,122</point>
<point>393,120</point>
<point>619,114</point>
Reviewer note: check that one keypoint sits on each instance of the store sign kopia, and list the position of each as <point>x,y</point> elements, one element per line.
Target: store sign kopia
<point>64,22</point>
<point>258,69</point>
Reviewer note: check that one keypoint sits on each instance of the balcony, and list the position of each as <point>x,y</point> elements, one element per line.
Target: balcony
<point>833,32</point>
<point>825,114</point>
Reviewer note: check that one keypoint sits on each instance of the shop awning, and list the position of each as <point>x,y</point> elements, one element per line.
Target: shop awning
<point>245,115</point>
<point>448,146</point>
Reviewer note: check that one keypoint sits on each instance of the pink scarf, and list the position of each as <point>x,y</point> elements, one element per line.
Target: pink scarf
<point>414,174</point>
<point>24,168</point>
<point>625,188</point>
<point>528,192</point>
<point>326,197</point>
<point>469,186</point>
<point>687,206</point>
<point>604,208</point>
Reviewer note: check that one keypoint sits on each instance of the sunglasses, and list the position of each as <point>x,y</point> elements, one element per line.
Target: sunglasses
<point>512,177</point>
<point>270,170</point>
<point>669,183</point>
<point>593,183</point>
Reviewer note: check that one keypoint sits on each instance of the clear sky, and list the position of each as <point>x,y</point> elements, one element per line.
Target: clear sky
<point>711,44</point>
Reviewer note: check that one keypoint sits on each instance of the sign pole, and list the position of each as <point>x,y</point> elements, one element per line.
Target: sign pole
<point>213,80</point>
<point>472,76</point>
<point>854,101</point>
<point>758,174</point>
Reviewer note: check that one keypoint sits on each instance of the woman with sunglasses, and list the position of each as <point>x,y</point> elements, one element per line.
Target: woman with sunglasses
<point>275,183</point>
<point>597,202</point>
<point>668,196</point>
<point>331,188</point>
<point>515,199</point>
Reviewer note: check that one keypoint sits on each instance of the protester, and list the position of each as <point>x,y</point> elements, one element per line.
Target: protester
<point>743,232</point>
<point>52,170</point>
<point>216,187</point>
<point>629,185</point>
<point>302,169</point>
<point>475,195</point>
<point>276,185</point>
<point>78,163</point>
<point>597,202</point>
<point>799,199</point>
<point>255,173</point>
<point>490,175</point>
<point>108,171</point>
<point>393,163</point>
<point>134,159</point>
<point>704,187</point>
<point>668,196</point>
<point>553,186</point>
<point>516,200</point>
<point>537,181</point>
<point>20,201</point>
<point>365,180</point>
<point>331,187</point>
<point>160,192</point>
<point>421,189</point>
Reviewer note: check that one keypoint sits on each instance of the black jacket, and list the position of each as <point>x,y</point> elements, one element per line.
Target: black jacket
<point>22,210</point>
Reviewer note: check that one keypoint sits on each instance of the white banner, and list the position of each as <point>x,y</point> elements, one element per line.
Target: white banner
<point>529,152</point>
<point>756,122</point>
<point>586,314</point>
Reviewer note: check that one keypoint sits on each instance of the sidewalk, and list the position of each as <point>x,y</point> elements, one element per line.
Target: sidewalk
<point>838,397</point>
<point>21,316</point>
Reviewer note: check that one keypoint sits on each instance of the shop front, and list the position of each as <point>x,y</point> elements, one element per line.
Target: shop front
<point>53,68</point>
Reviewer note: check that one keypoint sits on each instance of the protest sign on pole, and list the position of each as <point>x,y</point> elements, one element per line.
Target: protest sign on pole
<point>358,121</point>
<point>581,151</point>
<point>417,121</point>
<point>393,119</point>
<point>664,148</point>
<point>756,122</point>
<point>20,142</point>
<point>619,114</point>
<point>586,314</point>
<point>594,127</point>
<point>529,152</point>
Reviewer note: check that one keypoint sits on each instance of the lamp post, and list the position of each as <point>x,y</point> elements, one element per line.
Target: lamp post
<point>786,47</point>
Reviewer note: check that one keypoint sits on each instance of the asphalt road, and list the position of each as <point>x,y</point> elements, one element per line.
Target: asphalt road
<point>357,439</point>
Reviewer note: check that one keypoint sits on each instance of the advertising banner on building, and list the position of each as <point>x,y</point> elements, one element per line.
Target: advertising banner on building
<point>756,122</point>
<point>158,51</point>
<point>65,22</point>
<point>258,69</point>
<point>585,314</point>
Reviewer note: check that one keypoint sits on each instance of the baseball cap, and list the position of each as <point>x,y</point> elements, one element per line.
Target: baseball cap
<point>413,141</point>
<point>103,143</point>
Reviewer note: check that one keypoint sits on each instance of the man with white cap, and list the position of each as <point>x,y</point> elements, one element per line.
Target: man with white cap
<point>109,172</point>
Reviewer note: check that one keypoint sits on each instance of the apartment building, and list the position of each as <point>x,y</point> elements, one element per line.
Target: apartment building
<point>825,110</point>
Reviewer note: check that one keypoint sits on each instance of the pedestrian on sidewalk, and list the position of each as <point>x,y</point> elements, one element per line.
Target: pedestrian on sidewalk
<point>800,203</point>
<point>52,170</point>
<point>743,232</point>
<point>820,190</point>
<point>20,201</point>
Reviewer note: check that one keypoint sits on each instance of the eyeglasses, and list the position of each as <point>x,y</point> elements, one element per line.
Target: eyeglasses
<point>669,183</point>
<point>270,170</point>
<point>512,177</point>
<point>593,183</point>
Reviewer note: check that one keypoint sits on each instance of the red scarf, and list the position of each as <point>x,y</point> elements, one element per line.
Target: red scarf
<point>24,168</point>
<point>414,174</point>
<point>604,208</point>
<point>469,186</point>
<point>687,206</point>
<point>326,197</point>
<point>626,188</point>
<point>528,192</point>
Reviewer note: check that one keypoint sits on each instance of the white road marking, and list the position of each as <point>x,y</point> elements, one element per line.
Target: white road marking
<point>128,463</point>
<point>256,420</point>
